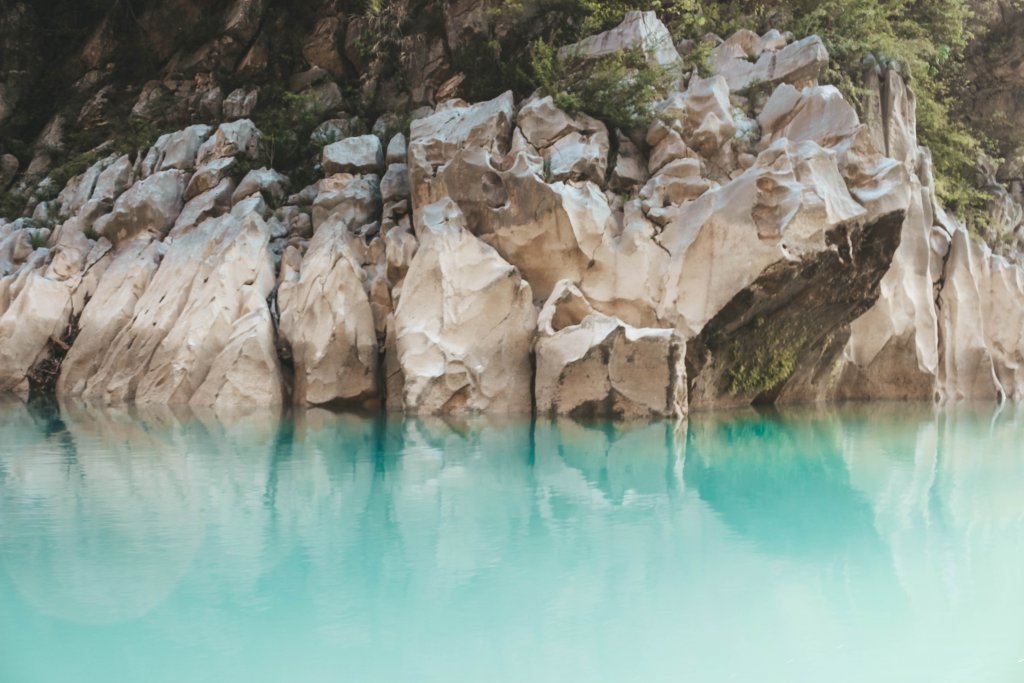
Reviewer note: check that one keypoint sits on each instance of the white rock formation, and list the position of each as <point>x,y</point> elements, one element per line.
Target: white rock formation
<point>455,126</point>
<point>744,59</point>
<point>362,154</point>
<point>327,322</point>
<point>463,324</point>
<point>638,30</point>
<point>573,147</point>
<point>411,276</point>
<point>152,204</point>
<point>592,365</point>
<point>238,138</point>
<point>266,181</point>
<point>211,284</point>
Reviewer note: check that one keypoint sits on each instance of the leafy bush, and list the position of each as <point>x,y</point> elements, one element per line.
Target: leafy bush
<point>928,37</point>
<point>619,89</point>
<point>287,120</point>
<point>12,204</point>
<point>37,238</point>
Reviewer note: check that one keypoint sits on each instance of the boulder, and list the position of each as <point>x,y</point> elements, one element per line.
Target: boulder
<point>266,181</point>
<point>702,115</point>
<point>398,150</point>
<point>78,190</point>
<point>332,130</point>
<point>241,102</point>
<point>179,150</point>
<point>455,126</point>
<point>363,154</point>
<point>209,176</point>
<point>394,186</point>
<point>818,113</point>
<point>212,203</point>
<point>572,147</point>
<point>629,171</point>
<point>638,30</point>
<point>113,180</point>
<point>676,183</point>
<point>231,139</point>
<point>463,324</point>
<point>542,123</point>
<point>798,63</point>
<point>327,322</point>
<point>151,204</point>
<point>355,200</point>
<point>601,367</point>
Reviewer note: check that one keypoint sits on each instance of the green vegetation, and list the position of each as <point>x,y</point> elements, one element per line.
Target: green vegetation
<point>286,121</point>
<point>769,362</point>
<point>926,37</point>
<point>11,204</point>
<point>619,89</point>
<point>37,238</point>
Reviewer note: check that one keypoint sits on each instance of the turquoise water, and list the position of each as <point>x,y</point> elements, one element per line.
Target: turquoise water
<point>871,544</point>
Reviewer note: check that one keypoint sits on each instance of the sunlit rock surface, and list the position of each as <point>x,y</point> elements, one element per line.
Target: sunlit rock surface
<point>797,252</point>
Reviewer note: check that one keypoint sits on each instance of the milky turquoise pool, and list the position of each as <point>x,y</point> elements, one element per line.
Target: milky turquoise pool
<point>870,544</point>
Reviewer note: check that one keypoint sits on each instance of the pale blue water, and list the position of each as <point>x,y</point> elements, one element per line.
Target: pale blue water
<point>861,545</point>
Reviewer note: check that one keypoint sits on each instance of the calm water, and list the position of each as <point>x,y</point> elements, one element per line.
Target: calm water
<point>862,545</point>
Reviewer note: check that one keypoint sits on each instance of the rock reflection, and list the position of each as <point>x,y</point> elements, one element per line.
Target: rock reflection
<point>333,537</point>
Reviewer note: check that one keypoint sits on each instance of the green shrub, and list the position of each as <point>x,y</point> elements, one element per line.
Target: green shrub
<point>12,204</point>
<point>37,238</point>
<point>619,89</point>
<point>928,37</point>
<point>286,121</point>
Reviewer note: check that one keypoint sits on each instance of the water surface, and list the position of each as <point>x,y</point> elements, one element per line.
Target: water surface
<point>863,545</point>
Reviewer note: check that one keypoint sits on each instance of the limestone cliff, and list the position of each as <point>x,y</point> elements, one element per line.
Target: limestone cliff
<point>757,242</point>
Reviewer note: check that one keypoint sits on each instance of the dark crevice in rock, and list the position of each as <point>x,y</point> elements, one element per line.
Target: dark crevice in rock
<point>42,378</point>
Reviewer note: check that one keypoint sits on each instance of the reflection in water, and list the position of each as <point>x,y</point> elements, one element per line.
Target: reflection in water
<point>866,544</point>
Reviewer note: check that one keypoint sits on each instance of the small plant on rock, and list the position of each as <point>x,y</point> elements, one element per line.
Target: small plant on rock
<point>38,238</point>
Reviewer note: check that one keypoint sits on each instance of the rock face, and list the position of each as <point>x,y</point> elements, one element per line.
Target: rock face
<point>591,365</point>
<point>200,333</point>
<point>745,247</point>
<point>362,154</point>
<point>464,323</point>
<point>746,59</point>
<point>327,322</point>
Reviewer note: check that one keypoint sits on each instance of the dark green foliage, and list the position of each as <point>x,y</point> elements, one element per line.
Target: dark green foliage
<point>60,175</point>
<point>286,121</point>
<point>927,37</point>
<point>619,89</point>
<point>37,238</point>
<point>12,204</point>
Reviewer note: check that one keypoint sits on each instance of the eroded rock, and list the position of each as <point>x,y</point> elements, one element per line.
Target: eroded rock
<point>327,322</point>
<point>463,324</point>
